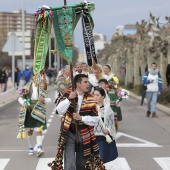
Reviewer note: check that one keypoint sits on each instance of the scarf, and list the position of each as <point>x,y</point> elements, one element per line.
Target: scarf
<point>90,146</point>
<point>153,71</point>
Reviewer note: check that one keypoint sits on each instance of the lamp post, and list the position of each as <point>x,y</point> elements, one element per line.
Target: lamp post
<point>23,35</point>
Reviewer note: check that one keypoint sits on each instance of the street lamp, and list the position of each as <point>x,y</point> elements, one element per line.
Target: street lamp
<point>23,35</point>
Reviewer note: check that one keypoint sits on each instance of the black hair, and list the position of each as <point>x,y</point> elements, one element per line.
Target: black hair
<point>78,78</point>
<point>154,63</point>
<point>101,91</point>
<point>103,81</point>
<point>108,66</point>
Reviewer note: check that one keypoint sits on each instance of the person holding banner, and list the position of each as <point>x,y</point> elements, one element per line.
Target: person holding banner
<point>86,117</point>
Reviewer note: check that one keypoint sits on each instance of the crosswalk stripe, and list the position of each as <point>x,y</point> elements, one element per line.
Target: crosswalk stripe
<point>118,164</point>
<point>3,163</point>
<point>42,163</point>
<point>164,162</point>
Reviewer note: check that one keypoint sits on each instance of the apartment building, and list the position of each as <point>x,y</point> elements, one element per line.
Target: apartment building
<point>12,22</point>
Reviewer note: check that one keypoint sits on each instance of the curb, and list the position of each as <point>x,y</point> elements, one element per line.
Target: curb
<point>160,107</point>
<point>8,104</point>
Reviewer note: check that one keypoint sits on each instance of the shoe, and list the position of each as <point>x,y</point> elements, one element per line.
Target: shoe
<point>148,113</point>
<point>154,115</point>
<point>31,151</point>
<point>40,152</point>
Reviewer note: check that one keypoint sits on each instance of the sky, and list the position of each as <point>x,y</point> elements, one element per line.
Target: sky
<point>107,16</point>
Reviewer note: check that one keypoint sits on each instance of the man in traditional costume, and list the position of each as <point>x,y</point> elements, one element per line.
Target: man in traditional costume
<point>86,117</point>
<point>33,114</point>
<point>79,69</point>
<point>63,82</point>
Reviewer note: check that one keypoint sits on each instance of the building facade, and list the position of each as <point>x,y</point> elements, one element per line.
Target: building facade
<point>12,22</point>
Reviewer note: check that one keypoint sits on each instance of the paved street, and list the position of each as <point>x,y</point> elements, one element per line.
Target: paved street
<point>143,143</point>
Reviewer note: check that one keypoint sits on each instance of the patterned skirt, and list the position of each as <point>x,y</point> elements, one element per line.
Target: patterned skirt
<point>30,122</point>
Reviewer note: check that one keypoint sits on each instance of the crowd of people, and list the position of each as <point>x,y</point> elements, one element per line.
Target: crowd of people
<point>25,76</point>
<point>89,105</point>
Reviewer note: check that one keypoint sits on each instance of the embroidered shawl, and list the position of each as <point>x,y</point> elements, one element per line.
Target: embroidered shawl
<point>39,110</point>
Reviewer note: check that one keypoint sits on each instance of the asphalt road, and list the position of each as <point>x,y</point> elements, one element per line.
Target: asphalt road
<point>143,143</point>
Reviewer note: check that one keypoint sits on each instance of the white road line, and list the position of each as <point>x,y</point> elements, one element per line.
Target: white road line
<point>43,163</point>
<point>51,116</point>
<point>48,124</point>
<point>118,164</point>
<point>49,120</point>
<point>3,163</point>
<point>164,162</point>
<point>143,143</point>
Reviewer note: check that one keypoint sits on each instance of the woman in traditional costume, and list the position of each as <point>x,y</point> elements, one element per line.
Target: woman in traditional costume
<point>105,129</point>
<point>107,70</point>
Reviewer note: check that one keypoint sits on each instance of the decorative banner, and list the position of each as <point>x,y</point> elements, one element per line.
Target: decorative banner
<point>64,21</point>
<point>43,17</point>
<point>87,25</point>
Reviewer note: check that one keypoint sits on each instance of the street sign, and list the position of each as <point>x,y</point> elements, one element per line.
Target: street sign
<point>12,45</point>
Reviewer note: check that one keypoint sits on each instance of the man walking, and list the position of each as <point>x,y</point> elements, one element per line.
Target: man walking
<point>153,80</point>
<point>86,116</point>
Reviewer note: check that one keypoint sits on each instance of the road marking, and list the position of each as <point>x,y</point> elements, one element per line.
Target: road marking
<point>118,164</point>
<point>3,163</point>
<point>51,116</point>
<point>144,143</point>
<point>163,162</point>
<point>49,120</point>
<point>43,163</point>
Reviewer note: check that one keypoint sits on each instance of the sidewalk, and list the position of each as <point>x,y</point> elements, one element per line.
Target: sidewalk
<point>160,107</point>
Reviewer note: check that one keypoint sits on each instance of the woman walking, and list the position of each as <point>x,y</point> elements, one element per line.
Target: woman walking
<point>105,129</point>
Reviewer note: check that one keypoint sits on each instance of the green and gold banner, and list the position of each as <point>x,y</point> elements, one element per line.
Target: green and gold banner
<point>43,17</point>
<point>64,21</point>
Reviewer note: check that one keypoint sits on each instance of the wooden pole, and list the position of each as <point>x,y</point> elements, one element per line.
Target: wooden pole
<point>74,103</point>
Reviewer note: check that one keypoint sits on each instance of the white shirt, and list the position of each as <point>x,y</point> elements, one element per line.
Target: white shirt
<point>152,87</point>
<point>108,77</point>
<point>34,96</point>
<point>88,120</point>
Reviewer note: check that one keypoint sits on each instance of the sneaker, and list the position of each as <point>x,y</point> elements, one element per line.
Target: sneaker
<point>154,115</point>
<point>148,113</point>
<point>40,152</point>
<point>31,151</point>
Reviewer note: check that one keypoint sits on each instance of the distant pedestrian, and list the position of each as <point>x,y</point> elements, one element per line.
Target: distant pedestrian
<point>168,75</point>
<point>17,76</point>
<point>49,74</point>
<point>153,80</point>
<point>27,74</point>
<point>3,76</point>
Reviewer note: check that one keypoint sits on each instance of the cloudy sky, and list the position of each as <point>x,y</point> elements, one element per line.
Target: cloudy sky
<point>107,15</point>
